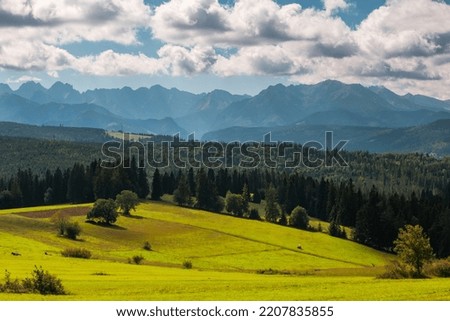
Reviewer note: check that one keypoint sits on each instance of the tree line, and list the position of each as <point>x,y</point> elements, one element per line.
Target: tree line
<point>78,184</point>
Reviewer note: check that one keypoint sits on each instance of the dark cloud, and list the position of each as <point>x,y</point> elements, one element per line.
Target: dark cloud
<point>204,20</point>
<point>101,12</point>
<point>414,50</point>
<point>386,71</point>
<point>274,31</point>
<point>274,67</point>
<point>443,41</point>
<point>333,51</point>
<point>8,19</point>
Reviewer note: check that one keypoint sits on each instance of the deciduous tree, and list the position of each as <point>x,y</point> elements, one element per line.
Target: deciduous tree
<point>413,247</point>
<point>299,218</point>
<point>127,201</point>
<point>104,211</point>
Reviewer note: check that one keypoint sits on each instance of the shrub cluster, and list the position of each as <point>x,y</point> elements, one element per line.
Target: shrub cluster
<point>66,227</point>
<point>336,230</point>
<point>137,259</point>
<point>147,246</point>
<point>72,230</point>
<point>40,282</point>
<point>253,214</point>
<point>77,253</point>
<point>187,264</point>
<point>398,270</point>
<point>395,270</point>
<point>439,268</point>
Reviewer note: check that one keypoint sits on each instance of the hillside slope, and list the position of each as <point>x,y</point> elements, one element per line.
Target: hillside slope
<point>211,241</point>
<point>233,259</point>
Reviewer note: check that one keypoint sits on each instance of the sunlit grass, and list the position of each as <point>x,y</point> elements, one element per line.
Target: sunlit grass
<point>42,208</point>
<point>228,255</point>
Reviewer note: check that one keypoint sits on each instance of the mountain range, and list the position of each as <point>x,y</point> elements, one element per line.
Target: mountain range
<point>351,110</point>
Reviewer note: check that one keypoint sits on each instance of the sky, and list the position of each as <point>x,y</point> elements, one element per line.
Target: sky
<point>242,46</point>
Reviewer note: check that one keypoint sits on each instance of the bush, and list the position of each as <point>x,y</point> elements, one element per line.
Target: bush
<point>337,231</point>
<point>12,286</point>
<point>137,259</point>
<point>147,246</point>
<point>72,230</point>
<point>439,268</point>
<point>254,214</point>
<point>395,270</point>
<point>270,271</point>
<point>234,203</point>
<point>65,227</point>
<point>43,282</point>
<point>77,253</point>
<point>187,264</point>
<point>40,282</point>
<point>60,220</point>
<point>282,220</point>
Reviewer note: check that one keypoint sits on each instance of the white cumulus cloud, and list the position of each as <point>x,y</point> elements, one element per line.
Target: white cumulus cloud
<point>404,44</point>
<point>22,79</point>
<point>332,6</point>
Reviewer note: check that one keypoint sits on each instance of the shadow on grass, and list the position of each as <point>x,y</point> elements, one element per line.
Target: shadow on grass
<point>77,240</point>
<point>136,217</point>
<point>71,239</point>
<point>106,225</point>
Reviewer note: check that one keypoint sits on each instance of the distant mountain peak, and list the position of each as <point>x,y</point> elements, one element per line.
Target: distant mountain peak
<point>60,85</point>
<point>331,82</point>
<point>5,89</point>
<point>31,85</point>
<point>158,87</point>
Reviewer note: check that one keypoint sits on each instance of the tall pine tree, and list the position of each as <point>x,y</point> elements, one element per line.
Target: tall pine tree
<point>156,186</point>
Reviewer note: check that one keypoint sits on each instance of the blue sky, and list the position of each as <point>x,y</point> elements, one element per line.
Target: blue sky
<point>240,46</point>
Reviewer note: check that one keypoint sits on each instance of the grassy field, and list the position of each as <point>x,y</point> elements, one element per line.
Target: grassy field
<point>233,259</point>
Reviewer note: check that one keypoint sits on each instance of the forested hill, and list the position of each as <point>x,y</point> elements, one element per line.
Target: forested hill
<point>42,154</point>
<point>56,133</point>
<point>403,173</point>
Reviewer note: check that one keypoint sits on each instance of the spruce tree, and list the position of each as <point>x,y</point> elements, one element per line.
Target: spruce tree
<point>206,192</point>
<point>182,195</point>
<point>143,187</point>
<point>245,198</point>
<point>156,186</point>
<point>272,208</point>
<point>192,182</point>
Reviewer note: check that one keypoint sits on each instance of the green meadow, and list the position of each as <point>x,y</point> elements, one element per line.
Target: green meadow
<point>232,259</point>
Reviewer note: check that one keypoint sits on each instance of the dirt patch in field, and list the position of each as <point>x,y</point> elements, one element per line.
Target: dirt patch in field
<point>72,211</point>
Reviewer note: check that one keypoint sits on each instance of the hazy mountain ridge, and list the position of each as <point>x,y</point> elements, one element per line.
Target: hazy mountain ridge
<point>350,104</point>
<point>330,104</point>
<point>14,108</point>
